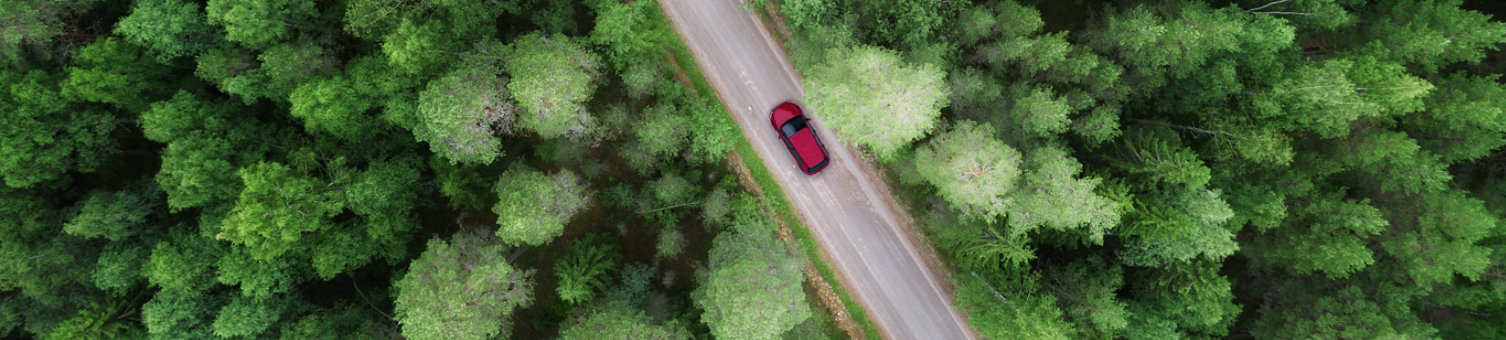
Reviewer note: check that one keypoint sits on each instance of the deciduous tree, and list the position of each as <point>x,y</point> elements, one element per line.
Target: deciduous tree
<point>971,169</point>
<point>463,114</point>
<point>461,289</point>
<point>871,97</point>
<point>552,78</point>
<point>534,206</point>
<point>171,28</point>
<point>753,285</point>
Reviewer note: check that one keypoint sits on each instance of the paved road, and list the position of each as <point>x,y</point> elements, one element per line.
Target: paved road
<point>849,212</point>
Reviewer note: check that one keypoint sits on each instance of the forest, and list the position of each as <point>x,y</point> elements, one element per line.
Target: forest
<point>538,169</point>
<point>1163,169</point>
<point>362,169</point>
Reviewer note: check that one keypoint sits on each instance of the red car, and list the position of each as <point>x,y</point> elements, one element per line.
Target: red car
<point>798,136</point>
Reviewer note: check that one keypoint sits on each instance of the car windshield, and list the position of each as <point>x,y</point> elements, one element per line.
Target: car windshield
<point>792,126</point>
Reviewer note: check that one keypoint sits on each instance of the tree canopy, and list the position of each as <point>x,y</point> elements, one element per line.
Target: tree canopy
<point>873,98</point>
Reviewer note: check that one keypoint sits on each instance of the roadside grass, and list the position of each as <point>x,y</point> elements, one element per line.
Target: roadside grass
<point>774,195</point>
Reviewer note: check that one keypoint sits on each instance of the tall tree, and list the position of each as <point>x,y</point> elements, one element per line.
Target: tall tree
<point>260,24</point>
<point>278,208</point>
<point>971,169</point>
<point>752,286</point>
<point>552,78</point>
<point>534,206</point>
<point>462,114</point>
<point>43,135</point>
<point>172,28</point>
<point>586,267</point>
<point>615,321</point>
<point>114,72</point>
<point>115,215</point>
<point>871,97</point>
<point>431,305</point>
<point>1430,34</point>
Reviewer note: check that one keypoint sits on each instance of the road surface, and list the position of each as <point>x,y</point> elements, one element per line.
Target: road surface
<point>848,211</point>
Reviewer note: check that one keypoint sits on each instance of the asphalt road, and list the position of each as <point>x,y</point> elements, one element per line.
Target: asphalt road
<point>848,211</point>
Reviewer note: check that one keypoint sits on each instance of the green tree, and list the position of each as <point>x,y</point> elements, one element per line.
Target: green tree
<point>43,136</point>
<point>172,28</point>
<point>334,106</point>
<point>1327,234</point>
<point>660,133</point>
<point>535,206</point>
<point>245,316</point>
<point>907,23</point>
<point>1178,227</point>
<point>753,283</point>
<point>1343,312</point>
<point>278,208</point>
<point>1325,99</point>
<point>627,33</point>
<point>260,24</point>
<point>615,321</point>
<point>117,73</point>
<point>420,48</point>
<point>99,321</point>
<point>114,215</point>
<point>234,70</point>
<point>119,269</point>
<point>1087,291</point>
<point>461,114</point>
<point>971,169</point>
<point>37,263</point>
<point>198,171</point>
<point>586,267</point>
<point>871,97</point>
<point>288,65</point>
<point>180,315</point>
<point>258,279</point>
<point>552,78</point>
<point>1464,119</point>
<point>1171,41</point>
<point>1187,300</point>
<point>1009,305</point>
<point>431,305</point>
<point>1431,34</point>
<point>1055,194</point>
<point>184,264</point>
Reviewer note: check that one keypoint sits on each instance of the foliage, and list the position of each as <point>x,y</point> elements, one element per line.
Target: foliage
<point>173,28</point>
<point>1172,168</point>
<point>43,135</point>
<point>552,78</point>
<point>871,97</point>
<point>970,168</point>
<point>1009,306</point>
<point>431,305</point>
<point>533,207</point>
<point>271,169</point>
<point>1181,153</point>
<point>114,215</point>
<point>462,114</point>
<point>753,283</point>
<point>585,268</point>
<point>259,24</point>
<point>277,208</point>
<point>619,322</point>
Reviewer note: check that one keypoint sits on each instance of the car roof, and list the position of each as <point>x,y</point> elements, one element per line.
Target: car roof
<point>785,111</point>
<point>807,147</point>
